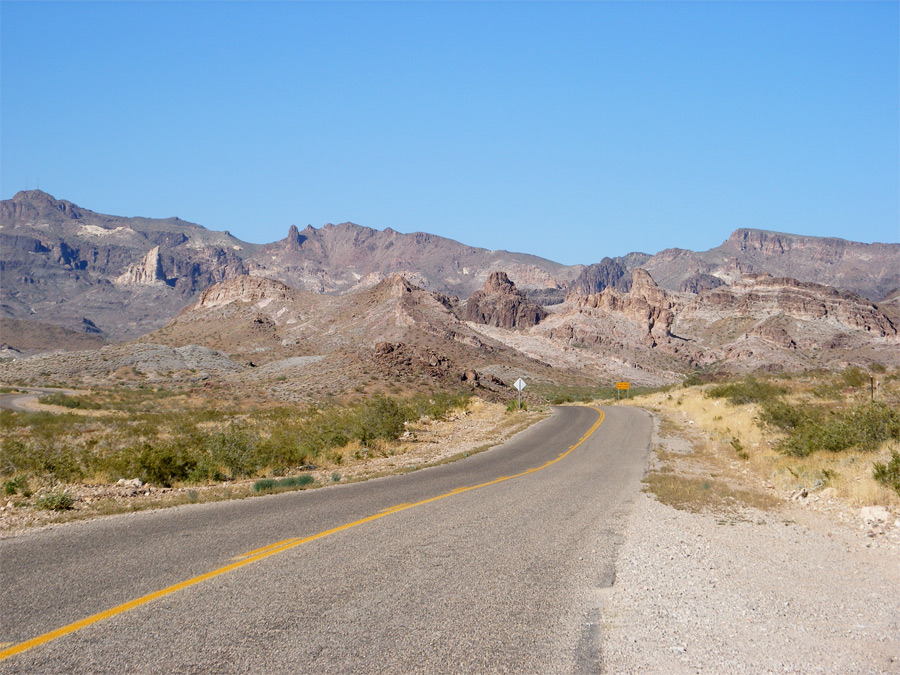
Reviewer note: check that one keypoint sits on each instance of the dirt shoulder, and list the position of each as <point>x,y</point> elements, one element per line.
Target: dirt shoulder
<point>724,572</point>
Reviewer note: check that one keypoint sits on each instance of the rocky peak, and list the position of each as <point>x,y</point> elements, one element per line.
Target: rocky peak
<point>641,279</point>
<point>500,303</point>
<point>595,278</point>
<point>499,282</point>
<point>36,204</point>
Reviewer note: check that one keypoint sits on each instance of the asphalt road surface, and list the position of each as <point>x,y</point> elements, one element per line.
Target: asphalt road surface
<point>17,402</point>
<point>401,575</point>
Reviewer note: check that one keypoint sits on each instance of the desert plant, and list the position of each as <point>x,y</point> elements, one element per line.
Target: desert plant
<point>55,501</point>
<point>165,465</point>
<point>748,390</point>
<point>864,427</point>
<point>888,473</point>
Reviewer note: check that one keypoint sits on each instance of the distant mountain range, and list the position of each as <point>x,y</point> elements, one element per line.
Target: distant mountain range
<point>121,277</point>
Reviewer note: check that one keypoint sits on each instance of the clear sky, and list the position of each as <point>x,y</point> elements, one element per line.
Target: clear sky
<point>569,130</point>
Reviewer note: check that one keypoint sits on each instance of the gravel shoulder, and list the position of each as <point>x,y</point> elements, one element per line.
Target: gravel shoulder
<point>801,588</point>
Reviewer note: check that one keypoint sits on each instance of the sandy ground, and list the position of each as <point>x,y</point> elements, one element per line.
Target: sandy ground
<point>809,586</point>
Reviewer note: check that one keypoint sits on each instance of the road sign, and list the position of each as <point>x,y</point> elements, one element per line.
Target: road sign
<point>623,385</point>
<point>519,385</point>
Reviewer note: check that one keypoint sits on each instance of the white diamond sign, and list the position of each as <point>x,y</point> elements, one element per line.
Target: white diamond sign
<point>519,384</point>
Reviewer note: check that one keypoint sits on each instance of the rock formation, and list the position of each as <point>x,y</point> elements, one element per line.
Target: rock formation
<point>146,272</point>
<point>598,277</point>
<point>500,303</point>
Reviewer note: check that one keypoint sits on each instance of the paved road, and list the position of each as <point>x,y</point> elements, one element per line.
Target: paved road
<point>17,402</point>
<point>506,577</point>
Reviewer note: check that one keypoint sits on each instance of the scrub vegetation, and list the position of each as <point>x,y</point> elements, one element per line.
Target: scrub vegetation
<point>169,437</point>
<point>809,431</point>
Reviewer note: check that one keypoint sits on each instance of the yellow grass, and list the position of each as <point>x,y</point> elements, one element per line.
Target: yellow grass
<point>714,423</point>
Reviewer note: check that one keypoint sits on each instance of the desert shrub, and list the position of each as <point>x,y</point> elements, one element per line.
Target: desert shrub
<point>782,415</point>
<point>863,427</point>
<point>748,390</point>
<point>855,377</point>
<point>164,465</point>
<point>293,482</point>
<point>55,501</point>
<point>15,486</point>
<point>263,485</point>
<point>692,380</point>
<point>234,449</point>
<point>436,406</point>
<point>66,401</point>
<point>889,473</point>
<point>379,417</point>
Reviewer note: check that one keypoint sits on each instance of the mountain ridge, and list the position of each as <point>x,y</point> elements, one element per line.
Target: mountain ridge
<point>69,266</point>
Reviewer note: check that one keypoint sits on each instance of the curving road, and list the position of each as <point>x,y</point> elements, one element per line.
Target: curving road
<point>497,563</point>
<point>19,402</point>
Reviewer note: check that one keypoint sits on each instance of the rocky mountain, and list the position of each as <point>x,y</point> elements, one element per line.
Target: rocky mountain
<point>122,277</point>
<point>63,264</point>
<point>870,270</point>
<point>597,277</point>
<point>759,322</point>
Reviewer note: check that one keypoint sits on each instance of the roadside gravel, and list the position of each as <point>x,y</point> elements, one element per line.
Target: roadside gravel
<point>792,590</point>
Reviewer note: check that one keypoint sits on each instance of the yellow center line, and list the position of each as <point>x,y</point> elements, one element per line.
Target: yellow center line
<point>266,551</point>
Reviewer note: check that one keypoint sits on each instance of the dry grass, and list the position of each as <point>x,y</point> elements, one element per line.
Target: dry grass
<point>729,440</point>
<point>706,495</point>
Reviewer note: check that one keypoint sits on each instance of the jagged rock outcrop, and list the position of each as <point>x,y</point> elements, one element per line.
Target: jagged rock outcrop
<point>596,278</point>
<point>646,304</point>
<point>246,289</point>
<point>147,272</point>
<point>762,296</point>
<point>500,303</point>
<point>698,283</point>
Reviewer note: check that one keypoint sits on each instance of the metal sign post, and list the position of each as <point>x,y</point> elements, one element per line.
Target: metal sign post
<point>519,385</point>
<point>622,386</point>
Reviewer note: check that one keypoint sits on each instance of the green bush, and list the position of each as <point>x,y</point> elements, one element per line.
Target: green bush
<point>748,390</point>
<point>66,401</point>
<point>378,418</point>
<point>15,486</point>
<point>864,427</point>
<point>692,380</point>
<point>267,484</point>
<point>165,465</point>
<point>782,415</point>
<point>889,473</point>
<point>55,501</point>
<point>855,377</point>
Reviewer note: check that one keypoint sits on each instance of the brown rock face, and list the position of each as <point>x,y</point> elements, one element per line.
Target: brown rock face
<point>148,271</point>
<point>646,304</point>
<point>598,277</point>
<point>762,296</point>
<point>700,282</point>
<point>500,303</point>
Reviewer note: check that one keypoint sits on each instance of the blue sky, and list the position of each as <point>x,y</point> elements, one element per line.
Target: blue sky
<point>569,130</point>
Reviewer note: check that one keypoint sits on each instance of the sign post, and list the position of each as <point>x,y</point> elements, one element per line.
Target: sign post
<point>622,386</point>
<point>519,385</point>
